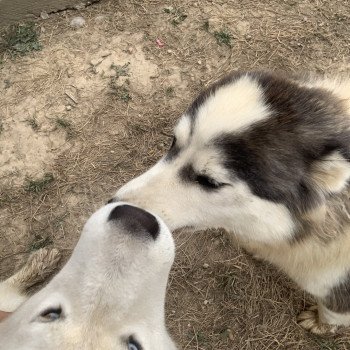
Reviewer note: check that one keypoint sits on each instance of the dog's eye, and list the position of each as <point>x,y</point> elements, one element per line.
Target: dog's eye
<point>133,344</point>
<point>208,182</point>
<point>173,143</point>
<point>50,314</point>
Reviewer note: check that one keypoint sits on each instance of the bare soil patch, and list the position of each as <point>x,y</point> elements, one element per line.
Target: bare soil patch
<point>95,107</point>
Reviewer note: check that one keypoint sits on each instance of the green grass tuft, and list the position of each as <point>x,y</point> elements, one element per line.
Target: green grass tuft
<point>67,126</point>
<point>123,93</point>
<point>37,186</point>
<point>63,123</point>
<point>179,18</point>
<point>40,242</point>
<point>177,15</point>
<point>33,123</point>
<point>206,26</point>
<point>121,71</point>
<point>7,83</point>
<point>20,39</point>
<point>59,220</point>
<point>170,91</point>
<point>223,37</point>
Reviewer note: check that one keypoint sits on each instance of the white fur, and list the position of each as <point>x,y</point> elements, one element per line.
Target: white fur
<point>182,130</point>
<point>329,317</point>
<point>237,106</point>
<point>112,287</point>
<point>331,172</point>
<point>10,297</point>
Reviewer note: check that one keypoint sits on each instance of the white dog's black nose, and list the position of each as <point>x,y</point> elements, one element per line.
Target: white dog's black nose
<point>136,221</point>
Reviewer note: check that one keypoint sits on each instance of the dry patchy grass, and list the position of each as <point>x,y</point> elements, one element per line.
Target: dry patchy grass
<point>93,136</point>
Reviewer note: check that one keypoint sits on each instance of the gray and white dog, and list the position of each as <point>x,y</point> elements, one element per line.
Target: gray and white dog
<point>267,158</point>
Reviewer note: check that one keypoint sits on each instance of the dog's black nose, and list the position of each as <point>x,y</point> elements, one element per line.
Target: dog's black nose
<point>135,220</point>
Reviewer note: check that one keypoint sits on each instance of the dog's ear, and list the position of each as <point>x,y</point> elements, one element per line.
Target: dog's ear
<point>331,173</point>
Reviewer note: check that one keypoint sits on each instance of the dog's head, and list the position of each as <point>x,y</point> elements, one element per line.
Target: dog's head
<point>252,154</point>
<point>110,295</point>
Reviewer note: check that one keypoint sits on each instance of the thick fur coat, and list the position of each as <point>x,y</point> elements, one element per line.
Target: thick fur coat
<point>266,157</point>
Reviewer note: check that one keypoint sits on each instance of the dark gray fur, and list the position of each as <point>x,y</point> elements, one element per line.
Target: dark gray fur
<point>338,299</point>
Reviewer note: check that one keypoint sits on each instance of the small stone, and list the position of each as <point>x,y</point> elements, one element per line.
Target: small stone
<point>206,302</point>
<point>99,19</point>
<point>44,15</point>
<point>169,51</point>
<point>205,266</point>
<point>96,61</point>
<point>77,22</point>
<point>168,9</point>
<point>68,108</point>
<point>173,311</point>
<point>199,62</point>
<point>79,6</point>
<point>217,242</point>
<point>230,334</point>
<point>130,50</point>
<point>242,27</point>
<point>105,53</point>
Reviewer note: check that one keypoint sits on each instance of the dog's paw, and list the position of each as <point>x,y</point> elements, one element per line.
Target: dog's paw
<point>309,320</point>
<point>40,264</point>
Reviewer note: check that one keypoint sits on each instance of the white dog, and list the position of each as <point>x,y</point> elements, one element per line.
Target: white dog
<point>267,158</point>
<point>110,294</point>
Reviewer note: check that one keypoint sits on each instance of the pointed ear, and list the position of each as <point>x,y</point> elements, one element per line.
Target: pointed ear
<point>331,173</point>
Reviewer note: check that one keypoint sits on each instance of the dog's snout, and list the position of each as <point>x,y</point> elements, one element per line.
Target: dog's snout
<point>136,221</point>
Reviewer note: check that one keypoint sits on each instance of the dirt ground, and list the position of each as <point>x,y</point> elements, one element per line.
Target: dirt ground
<point>95,107</point>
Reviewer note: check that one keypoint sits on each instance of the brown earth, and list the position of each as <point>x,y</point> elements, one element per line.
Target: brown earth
<point>95,107</point>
